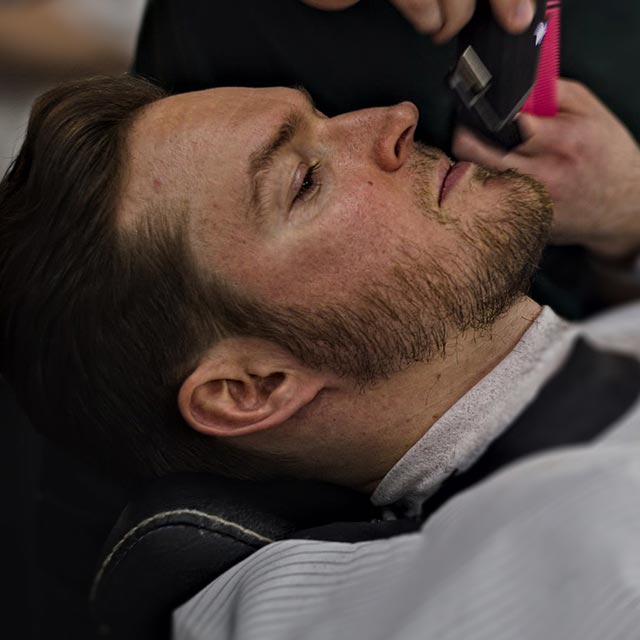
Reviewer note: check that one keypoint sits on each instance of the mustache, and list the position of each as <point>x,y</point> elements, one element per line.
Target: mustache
<point>425,158</point>
<point>424,165</point>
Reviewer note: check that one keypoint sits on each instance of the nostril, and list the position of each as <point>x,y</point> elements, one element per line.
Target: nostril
<point>401,141</point>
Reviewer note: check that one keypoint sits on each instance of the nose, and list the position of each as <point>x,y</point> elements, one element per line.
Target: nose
<point>383,135</point>
<point>394,136</point>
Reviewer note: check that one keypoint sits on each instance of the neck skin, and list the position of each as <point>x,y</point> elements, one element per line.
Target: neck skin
<point>353,438</point>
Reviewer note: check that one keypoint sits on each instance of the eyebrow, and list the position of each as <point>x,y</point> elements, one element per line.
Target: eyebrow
<point>306,94</point>
<point>262,159</point>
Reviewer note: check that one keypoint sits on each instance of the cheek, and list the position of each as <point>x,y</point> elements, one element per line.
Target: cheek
<point>335,254</point>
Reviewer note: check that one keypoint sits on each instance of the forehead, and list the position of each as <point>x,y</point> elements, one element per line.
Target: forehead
<point>193,148</point>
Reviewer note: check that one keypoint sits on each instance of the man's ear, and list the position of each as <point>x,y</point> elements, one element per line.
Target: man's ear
<point>245,385</point>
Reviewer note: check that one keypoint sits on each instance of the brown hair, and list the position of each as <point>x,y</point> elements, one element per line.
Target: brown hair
<point>98,328</point>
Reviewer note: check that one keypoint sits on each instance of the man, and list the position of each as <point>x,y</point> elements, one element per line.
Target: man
<point>270,273</point>
<point>229,281</point>
<point>369,260</point>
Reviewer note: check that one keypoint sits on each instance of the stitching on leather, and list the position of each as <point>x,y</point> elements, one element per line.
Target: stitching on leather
<point>143,523</point>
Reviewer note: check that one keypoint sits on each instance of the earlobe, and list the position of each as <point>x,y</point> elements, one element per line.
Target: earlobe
<point>231,397</point>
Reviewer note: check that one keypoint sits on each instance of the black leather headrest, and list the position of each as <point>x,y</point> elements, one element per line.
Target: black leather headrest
<point>182,531</point>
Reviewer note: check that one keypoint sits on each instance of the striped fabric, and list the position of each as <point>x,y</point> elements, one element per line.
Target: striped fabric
<point>546,548</point>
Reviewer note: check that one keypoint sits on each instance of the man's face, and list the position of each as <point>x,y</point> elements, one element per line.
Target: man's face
<point>337,220</point>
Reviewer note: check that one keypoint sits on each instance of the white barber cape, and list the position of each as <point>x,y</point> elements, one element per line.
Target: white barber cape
<point>546,548</point>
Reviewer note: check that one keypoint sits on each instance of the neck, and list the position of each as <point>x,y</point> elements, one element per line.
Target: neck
<point>380,425</point>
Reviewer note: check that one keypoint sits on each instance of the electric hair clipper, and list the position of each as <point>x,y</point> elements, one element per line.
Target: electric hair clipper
<point>495,73</point>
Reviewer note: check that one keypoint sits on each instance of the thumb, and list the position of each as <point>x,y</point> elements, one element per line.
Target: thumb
<point>539,133</point>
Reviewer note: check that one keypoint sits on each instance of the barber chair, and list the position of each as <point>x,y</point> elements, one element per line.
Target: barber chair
<point>181,532</point>
<point>173,537</point>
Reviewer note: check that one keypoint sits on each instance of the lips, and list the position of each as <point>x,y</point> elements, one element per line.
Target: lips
<point>453,175</point>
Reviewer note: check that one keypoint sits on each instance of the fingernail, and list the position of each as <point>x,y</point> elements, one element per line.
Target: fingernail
<point>522,14</point>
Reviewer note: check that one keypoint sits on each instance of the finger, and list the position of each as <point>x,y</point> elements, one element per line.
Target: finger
<point>539,133</point>
<point>424,15</point>
<point>456,13</point>
<point>514,15</point>
<point>574,97</point>
<point>467,146</point>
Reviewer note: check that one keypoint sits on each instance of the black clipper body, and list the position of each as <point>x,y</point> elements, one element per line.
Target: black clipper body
<point>495,72</point>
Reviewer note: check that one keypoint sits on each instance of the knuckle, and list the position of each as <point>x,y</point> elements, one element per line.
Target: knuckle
<point>578,90</point>
<point>572,144</point>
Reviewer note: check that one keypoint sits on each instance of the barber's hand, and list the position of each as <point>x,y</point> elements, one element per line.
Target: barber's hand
<point>588,161</point>
<point>444,18</point>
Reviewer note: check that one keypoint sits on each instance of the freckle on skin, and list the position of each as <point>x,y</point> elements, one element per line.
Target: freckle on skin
<point>370,183</point>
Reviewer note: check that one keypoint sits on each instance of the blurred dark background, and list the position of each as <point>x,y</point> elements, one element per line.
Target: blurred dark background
<point>43,538</point>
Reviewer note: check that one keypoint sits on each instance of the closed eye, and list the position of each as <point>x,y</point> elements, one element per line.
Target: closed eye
<point>309,185</point>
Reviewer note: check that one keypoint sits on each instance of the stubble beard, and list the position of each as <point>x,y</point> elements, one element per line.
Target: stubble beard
<point>408,314</point>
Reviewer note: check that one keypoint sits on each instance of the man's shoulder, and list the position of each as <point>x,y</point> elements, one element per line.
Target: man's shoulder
<point>563,517</point>
<point>618,329</point>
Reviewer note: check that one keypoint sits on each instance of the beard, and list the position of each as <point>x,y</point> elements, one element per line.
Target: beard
<point>408,314</point>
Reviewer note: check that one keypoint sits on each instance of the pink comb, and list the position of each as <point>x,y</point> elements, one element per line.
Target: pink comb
<point>543,99</point>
